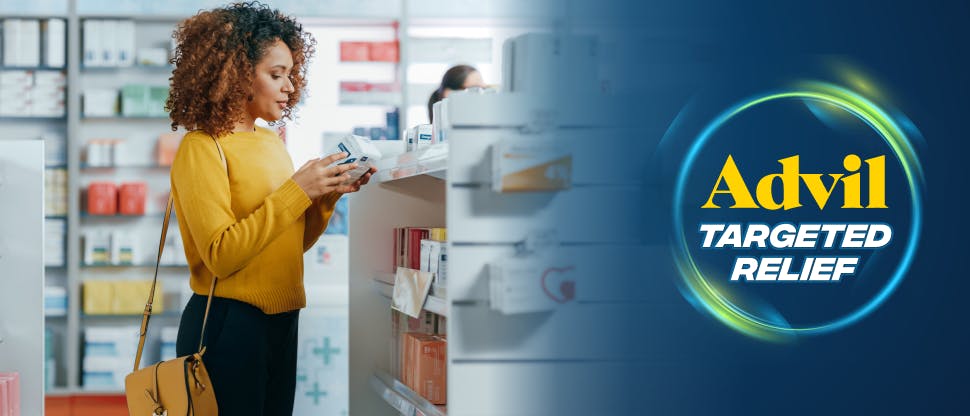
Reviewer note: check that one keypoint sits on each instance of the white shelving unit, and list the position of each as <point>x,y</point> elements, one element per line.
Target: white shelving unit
<point>535,363</point>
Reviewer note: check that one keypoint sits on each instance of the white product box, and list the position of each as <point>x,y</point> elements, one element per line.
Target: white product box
<point>152,57</point>
<point>16,108</point>
<point>55,301</point>
<point>100,102</point>
<point>532,63</point>
<point>424,136</point>
<point>91,56</point>
<point>124,43</point>
<point>530,284</point>
<point>122,248</point>
<point>16,78</point>
<point>360,150</point>
<point>108,43</point>
<point>528,165</point>
<point>55,38</point>
<point>50,79</point>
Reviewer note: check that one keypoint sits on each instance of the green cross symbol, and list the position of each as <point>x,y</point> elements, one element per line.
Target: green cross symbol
<point>316,393</point>
<point>326,351</point>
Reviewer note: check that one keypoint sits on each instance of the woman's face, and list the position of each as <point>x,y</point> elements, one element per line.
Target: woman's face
<point>474,79</point>
<point>272,86</point>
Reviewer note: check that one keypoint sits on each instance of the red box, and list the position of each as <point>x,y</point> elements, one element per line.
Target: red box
<point>102,198</point>
<point>354,86</point>
<point>384,51</point>
<point>131,198</point>
<point>354,51</point>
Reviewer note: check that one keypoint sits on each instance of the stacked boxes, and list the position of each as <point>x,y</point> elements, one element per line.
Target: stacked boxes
<point>55,232</point>
<point>143,100</point>
<point>108,354</point>
<point>34,43</point>
<point>425,366</point>
<point>108,43</point>
<point>32,93</point>
<point>107,198</point>
<point>9,394</point>
<point>55,195</point>
<point>120,297</point>
<point>55,301</point>
<point>369,51</point>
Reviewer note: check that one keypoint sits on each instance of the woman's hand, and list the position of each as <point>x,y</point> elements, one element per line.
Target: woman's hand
<point>355,186</point>
<point>317,179</point>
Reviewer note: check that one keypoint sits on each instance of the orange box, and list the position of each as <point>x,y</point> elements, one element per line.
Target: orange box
<point>428,367</point>
<point>99,405</point>
<point>168,144</point>
<point>354,51</point>
<point>384,51</point>
<point>131,198</point>
<point>102,198</point>
<point>57,406</point>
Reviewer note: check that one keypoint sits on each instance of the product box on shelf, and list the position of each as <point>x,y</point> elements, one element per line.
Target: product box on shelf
<point>108,353</point>
<point>131,198</point>
<point>168,144</point>
<point>425,366</point>
<point>100,102</point>
<point>354,51</point>
<point>119,297</point>
<point>55,301</point>
<point>384,51</point>
<point>102,198</point>
<point>531,166</point>
<point>10,394</point>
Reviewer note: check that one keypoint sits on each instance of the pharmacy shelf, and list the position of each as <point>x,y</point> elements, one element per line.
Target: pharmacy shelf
<point>402,398</point>
<point>86,216</point>
<point>434,304</point>
<point>146,68</point>
<point>124,118</point>
<point>85,167</point>
<point>136,266</point>
<point>430,161</point>
<point>27,119</point>
<point>387,99</point>
<point>32,68</point>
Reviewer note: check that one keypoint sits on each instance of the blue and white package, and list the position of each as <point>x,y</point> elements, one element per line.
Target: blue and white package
<point>360,150</point>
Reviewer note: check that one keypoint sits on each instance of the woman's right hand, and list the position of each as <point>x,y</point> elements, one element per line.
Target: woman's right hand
<point>316,178</point>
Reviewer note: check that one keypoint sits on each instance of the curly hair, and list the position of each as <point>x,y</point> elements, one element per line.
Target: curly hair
<point>215,63</point>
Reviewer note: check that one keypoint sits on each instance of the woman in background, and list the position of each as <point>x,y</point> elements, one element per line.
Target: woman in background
<point>456,78</point>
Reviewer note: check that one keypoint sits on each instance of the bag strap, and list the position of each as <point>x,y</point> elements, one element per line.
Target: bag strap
<point>146,315</point>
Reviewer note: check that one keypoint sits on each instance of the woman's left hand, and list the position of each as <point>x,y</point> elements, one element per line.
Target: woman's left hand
<point>355,186</point>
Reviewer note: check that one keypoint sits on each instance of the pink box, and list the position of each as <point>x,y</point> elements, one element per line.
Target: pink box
<point>384,51</point>
<point>9,394</point>
<point>354,51</point>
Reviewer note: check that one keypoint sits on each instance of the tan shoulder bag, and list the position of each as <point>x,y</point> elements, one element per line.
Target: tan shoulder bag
<point>178,386</point>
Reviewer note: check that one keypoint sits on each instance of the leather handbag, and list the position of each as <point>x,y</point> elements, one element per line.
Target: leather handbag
<point>180,386</point>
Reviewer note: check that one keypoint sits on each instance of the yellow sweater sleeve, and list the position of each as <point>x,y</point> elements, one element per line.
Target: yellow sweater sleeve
<point>226,243</point>
<point>317,218</point>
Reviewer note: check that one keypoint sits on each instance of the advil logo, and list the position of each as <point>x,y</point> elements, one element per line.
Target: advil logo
<point>791,177</point>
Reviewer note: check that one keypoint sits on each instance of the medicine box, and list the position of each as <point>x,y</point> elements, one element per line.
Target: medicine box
<point>524,165</point>
<point>359,149</point>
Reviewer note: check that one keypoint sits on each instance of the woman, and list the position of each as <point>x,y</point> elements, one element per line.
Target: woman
<point>456,78</point>
<point>247,221</point>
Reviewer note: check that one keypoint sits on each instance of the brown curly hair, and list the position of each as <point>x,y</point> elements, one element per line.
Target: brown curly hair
<point>215,63</point>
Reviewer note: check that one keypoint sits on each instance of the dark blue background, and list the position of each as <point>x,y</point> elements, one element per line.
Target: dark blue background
<point>911,355</point>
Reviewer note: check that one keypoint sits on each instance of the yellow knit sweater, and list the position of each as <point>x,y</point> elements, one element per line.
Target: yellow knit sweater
<point>251,226</point>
